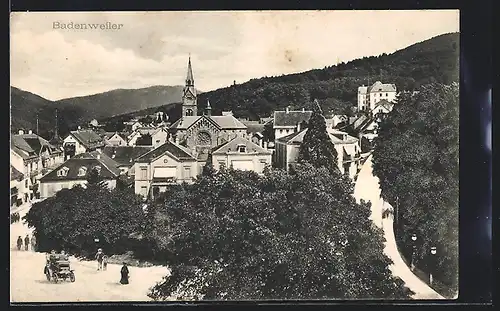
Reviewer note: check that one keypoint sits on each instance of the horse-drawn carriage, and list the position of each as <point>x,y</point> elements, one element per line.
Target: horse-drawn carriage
<point>58,269</point>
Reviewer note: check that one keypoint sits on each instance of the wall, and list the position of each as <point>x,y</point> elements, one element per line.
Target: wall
<point>116,141</point>
<point>17,161</point>
<point>140,181</point>
<point>79,148</point>
<point>252,161</point>
<point>162,136</point>
<point>375,97</point>
<point>50,188</point>
<point>283,131</point>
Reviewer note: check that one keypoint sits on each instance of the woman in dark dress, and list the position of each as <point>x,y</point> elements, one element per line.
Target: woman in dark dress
<point>124,273</point>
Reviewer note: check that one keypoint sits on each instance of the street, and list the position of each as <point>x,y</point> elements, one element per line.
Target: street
<point>29,284</point>
<point>367,188</point>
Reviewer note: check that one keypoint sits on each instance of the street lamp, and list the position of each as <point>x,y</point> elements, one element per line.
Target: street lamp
<point>432,263</point>
<point>413,251</point>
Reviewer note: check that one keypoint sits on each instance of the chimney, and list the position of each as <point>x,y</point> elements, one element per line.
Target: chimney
<point>79,127</point>
<point>98,156</point>
<point>21,132</point>
<point>30,132</point>
<point>287,109</point>
<point>298,127</point>
<point>303,109</point>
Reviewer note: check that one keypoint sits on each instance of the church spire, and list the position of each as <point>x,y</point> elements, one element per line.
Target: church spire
<point>189,77</point>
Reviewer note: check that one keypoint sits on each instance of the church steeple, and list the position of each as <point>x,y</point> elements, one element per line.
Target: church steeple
<point>189,77</point>
<point>189,98</point>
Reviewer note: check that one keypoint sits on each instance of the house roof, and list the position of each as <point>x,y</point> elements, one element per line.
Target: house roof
<point>384,103</point>
<point>231,146</point>
<point>224,122</point>
<point>109,135</point>
<point>109,170</point>
<point>177,151</point>
<point>125,155</point>
<point>88,138</point>
<point>290,118</point>
<point>335,137</point>
<point>382,87</point>
<point>30,145</point>
<point>15,174</point>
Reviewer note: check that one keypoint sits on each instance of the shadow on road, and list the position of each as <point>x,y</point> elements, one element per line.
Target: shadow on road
<point>114,283</point>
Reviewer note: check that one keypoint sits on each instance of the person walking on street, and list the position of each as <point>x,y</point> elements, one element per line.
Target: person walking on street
<point>33,244</point>
<point>26,242</point>
<point>19,243</point>
<point>105,262</point>
<point>124,274</point>
<point>99,256</point>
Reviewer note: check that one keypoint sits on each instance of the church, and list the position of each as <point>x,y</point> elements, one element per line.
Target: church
<point>193,138</point>
<point>202,133</point>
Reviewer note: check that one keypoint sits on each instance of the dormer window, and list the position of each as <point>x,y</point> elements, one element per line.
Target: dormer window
<point>82,171</point>
<point>242,148</point>
<point>63,172</point>
<point>98,169</point>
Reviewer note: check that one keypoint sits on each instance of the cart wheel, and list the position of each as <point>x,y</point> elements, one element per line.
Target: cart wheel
<point>72,277</point>
<point>55,278</point>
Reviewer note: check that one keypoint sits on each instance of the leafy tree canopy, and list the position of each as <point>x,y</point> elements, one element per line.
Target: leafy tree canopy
<point>416,160</point>
<point>238,235</point>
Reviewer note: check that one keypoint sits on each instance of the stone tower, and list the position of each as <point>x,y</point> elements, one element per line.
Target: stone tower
<point>189,99</point>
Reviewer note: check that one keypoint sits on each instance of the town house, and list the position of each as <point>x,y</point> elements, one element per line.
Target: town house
<point>75,171</point>
<point>290,121</point>
<point>241,154</point>
<point>81,141</point>
<point>368,96</point>
<point>32,156</point>
<point>347,147</point>
<point>115,139</point>
<point>165,165</point>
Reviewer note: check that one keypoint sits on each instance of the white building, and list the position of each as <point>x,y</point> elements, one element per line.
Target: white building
<point>159,136</point>
<point>32,155</point>
<point>369,96</point>
<point>241,154</point>
<point>163,166</point>
<point>81,141</point>
<point>347,147</point>
<point>75,172</point>
<point>290,121</point>
<point>114,139</point>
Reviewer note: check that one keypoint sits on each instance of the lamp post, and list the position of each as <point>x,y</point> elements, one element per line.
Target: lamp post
<point>432,263</point>
<point>413,250</point>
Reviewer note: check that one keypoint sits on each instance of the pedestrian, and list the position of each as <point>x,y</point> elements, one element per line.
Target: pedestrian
<point>99,256</point>
<point>33,244</point>
<point>19,243</point>
<point>26,242</point>
<point>105,262</point>
<point>125,274</point>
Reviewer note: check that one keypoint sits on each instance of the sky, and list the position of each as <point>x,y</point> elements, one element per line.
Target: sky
<point>152,48</point>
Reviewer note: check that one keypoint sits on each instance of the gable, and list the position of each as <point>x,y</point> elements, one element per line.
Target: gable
<point>70,139</point>
<point>167,159</point>
<point>205,122</point>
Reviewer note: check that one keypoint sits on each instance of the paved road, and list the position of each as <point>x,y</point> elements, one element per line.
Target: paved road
<point>367,188</point>
<point>28,283</point>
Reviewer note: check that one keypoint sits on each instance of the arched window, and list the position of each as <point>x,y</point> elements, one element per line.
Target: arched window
<point>203,139</point>
<point>189,112</point>
<point>82,171</point>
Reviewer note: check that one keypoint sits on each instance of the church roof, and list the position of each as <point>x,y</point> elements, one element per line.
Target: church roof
<point>231,146</point>
<point>224,122</point>
<point>189,76</point>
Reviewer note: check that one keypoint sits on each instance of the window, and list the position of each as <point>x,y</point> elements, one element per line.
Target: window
<point>144,172</point>
<point>263,164</point>
<point>98,169</point>
<point>82,171</point>
<point>386,94</point>
<point>144,190</point>
<point>242,148</point>
<point>157,141</point>
<point>187,172</point>
<point>62,172</point>
<point>222,164</point>
<point>26,183</point>
<point>281,131</point>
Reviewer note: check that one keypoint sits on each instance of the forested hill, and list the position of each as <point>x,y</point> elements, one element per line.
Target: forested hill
<point>433,60</point>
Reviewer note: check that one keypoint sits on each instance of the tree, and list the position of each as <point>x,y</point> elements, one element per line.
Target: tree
<point>317,147</point>
<point>73,218</point>
<point>237,235</point>
<point>208,168</point>
<point>416,160</point>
